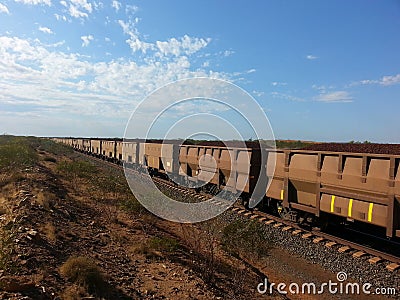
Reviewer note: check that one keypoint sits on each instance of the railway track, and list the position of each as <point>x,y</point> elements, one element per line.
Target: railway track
<point>391,262</point>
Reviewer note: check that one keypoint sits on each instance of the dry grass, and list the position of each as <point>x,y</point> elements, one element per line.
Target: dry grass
<point>4,209</point>
<point>84,272</point>
<point>156,246</point>
<point>10,177</point>
<point>75,171</point>
<point>7,247</point>
<point>50,232</point>
<point>45,199</point>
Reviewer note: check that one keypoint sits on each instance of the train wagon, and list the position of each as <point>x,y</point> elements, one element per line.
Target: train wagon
<point>232,169</point>
<point>350,186</point>
<point>118,151</point>
<point>108,149</point>
<point>159,157</point>
<point>86,146</point>
<point>130,152</point>
<point>96,147</point>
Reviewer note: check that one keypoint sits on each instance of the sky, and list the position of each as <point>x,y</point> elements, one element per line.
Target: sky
<point>320,70</point>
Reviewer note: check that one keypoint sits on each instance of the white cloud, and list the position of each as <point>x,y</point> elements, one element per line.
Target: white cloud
<point>390,80</point>
<point>4,9</point>
<point>131,9</point>
<point>318,87</point>
<point>173,47</point>
<point>82,4</point>
<point>385,81</point>
<point>137,45</point>
<point>286,96</point>
<point>35,2</point>
<point>47,80</point>
<point>116,5</point>
<point>134,42</point>
<point>78,8</point>
<point>55,45</point>
<point>185,45</point>
<point>98,5</point>
<point>228,53</point>
<point>338,96</point>
<point>258,93</point>
<point>365,82</point>
<point>45,30</point>
<point>276,83</point>
<point>86,40</point>
<point>60,17</point>
<point>311,57</point>
<point>251,71</point>
<point>76,13</point>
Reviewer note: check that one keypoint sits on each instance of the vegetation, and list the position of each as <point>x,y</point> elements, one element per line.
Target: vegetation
<point>163,244</point>
<point>17,152</point>
<point>246,239</point>
<point>53,147</point>
<point>84,272</point>
<point>130,204</point>
<point>357,142</point>
<point>157,244</point>
<point>114,185</point>
<point>76,169</point>
<point>7,247</point>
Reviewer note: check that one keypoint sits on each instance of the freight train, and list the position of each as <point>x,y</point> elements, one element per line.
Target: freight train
<point>327,187</point>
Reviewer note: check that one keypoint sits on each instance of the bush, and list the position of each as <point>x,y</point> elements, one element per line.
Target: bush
<point>161,244</point>
<point>246,239</point>
<point>84,272</point>
<point>164,244</point>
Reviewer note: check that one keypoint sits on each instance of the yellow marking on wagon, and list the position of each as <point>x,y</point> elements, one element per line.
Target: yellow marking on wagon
<point>333,203</point>
<point>350,208</point>
<point>282,194</point>
<point>370,208</point>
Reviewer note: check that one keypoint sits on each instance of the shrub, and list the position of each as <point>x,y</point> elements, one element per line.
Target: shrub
<point>246,239</point>
<point>84,272</point>
<point>161,244</point>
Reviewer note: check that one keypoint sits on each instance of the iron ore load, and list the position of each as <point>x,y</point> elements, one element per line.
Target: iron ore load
<point>322,185</point>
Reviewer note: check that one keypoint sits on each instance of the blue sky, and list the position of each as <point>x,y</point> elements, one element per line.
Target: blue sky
<point>321,70</point>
